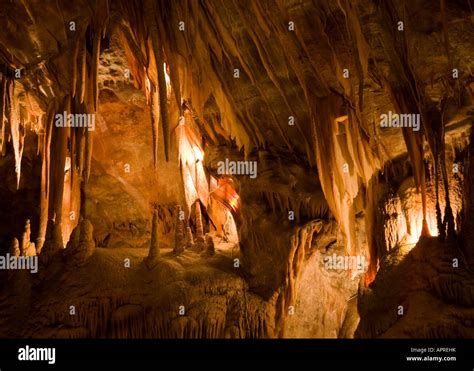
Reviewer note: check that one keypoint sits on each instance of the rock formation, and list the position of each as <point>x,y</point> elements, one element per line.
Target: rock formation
<point>179,236</point>
<point>15,248</point>
<point>200,238</point>
<point>189,238</point>
<point>154,251</point>
<point>27,247</point>
<point>210,248</point>
<point>81,246</point>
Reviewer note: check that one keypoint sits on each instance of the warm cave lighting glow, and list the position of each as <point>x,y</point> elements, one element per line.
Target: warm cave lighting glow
<point>198,155</point>
<point>167,78</point>
<point>413,236</point>
<point>67,165</point>
<point>147,87</point>
<point>223,191</point>
<point>234,201</point>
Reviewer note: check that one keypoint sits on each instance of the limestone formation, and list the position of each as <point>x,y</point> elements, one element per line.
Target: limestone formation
<point>81,245</point>
<point>154,252</point>
<point>210,248</point>
<point>15,248</point>
<point>179,236</point>
<point>189,238</point>
<point>200,239</point>
<point>27,247</point>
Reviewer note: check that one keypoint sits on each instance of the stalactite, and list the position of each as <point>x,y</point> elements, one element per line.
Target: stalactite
<point>133,45</point>
<point>81,149</point>
<point>59,143</point>
<point>155,119</point>
<point>163,103</point>
<point>82,71</point>
<point>154,252</point>
<point>78,43</point>
<point>162,89</point>
<point>95,68</point>
<point>16,130</point>
<point>439,221</point>
<point>171,61</point>
<point>3,91</point>
<point>448,222</point>
<point>370,222</point>
<point>87,154</point>
<point>300,240</point>
<point>45,176</point>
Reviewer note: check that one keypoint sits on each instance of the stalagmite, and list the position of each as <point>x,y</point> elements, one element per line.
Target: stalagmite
<point>200,241</point>
<point>74,239</point>
<point>179,236</point>
<point>27,247</point>
<point>81,245</point>
<point>210,248</point>
<point>154,252</point>
<point>189,238</point>
<point>86,247</point>
<point>15,248</point>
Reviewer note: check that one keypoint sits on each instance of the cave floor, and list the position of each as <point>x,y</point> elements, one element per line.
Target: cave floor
<point>115,288</point>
